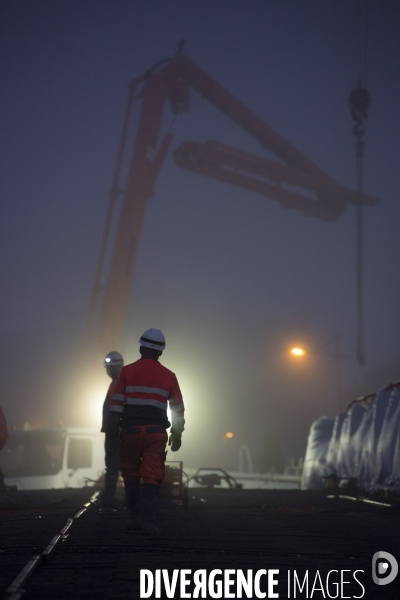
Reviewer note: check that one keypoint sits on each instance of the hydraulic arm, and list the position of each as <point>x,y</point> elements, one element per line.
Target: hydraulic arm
<point>283,181</point>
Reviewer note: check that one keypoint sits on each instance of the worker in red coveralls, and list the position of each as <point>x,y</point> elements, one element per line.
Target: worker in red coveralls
<point>113,364</point>
<point>3,438</point>
<point>142,394</point>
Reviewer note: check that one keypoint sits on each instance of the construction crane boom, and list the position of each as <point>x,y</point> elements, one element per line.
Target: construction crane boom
<point>235,166</point>
<point>173,80</point>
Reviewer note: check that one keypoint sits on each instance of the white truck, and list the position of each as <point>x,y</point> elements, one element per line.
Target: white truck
<point>62,457</point>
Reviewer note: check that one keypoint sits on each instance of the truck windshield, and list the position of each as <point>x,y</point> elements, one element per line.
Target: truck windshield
<point>30,453</point>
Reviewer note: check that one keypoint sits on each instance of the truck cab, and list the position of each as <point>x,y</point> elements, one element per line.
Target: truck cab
<point>53,458</point>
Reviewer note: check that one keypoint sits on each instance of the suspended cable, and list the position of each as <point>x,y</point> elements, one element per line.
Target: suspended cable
<point>360,42</point>
<point>359,103</point>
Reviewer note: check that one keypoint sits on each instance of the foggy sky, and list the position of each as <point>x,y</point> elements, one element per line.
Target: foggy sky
<point>230,277</point>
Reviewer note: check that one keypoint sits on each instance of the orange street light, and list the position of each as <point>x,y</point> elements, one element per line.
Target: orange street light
<point>297,351</point>
<point>336,355</point>
<point>229,435</point>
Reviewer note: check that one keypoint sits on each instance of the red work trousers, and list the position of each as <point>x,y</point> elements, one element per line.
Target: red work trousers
<point>142,453</point>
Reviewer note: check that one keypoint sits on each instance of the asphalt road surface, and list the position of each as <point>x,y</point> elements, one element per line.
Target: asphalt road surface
<point>281,543</point>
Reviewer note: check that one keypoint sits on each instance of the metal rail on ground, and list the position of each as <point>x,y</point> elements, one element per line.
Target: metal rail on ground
<point>15,590</point>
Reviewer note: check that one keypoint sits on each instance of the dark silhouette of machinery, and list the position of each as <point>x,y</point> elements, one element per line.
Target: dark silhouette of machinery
<point>283,181</point>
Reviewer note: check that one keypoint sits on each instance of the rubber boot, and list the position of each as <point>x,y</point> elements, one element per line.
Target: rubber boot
<point>134,502</point>
<point>149,498</point>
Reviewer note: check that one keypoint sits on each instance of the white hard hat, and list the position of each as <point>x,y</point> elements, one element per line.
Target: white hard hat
<point>113,358</point>
<point>153,338</point>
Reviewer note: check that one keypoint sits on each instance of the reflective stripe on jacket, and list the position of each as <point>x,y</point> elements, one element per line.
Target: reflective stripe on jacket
<point>144,391</point>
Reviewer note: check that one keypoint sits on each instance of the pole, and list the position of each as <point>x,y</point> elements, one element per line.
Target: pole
<point>360,247</point>
<point>359,103</point>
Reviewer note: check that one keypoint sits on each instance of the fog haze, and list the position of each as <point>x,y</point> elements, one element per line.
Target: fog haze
<point>231,278</point>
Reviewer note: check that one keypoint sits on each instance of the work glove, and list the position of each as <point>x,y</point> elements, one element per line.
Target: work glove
<point>175,440</point>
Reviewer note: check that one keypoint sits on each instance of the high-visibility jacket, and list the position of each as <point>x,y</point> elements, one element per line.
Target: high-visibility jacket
<point>142,394</point>
<point>3,429</point>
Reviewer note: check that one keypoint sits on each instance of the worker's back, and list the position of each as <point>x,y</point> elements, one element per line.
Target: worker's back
<point>142,394</point>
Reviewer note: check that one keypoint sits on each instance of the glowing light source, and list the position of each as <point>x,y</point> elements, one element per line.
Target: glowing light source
<point>229,435</point>
<point>92,398</point>
<point>297,351</point>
